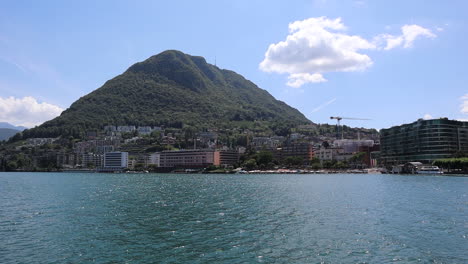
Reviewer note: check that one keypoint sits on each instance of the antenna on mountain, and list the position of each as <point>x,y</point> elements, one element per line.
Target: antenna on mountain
<point>215,60</point>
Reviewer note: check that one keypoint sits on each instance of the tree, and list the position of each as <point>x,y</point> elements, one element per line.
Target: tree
<point>459,154</point>
<point>340,165</point>
<point>152,167</point>
<point>11,165</point>
<point>139,166</point>
<point>358,159</point>
<point>314,160</point>
<point>325,144</point>
<point>316,166</point>
<point>264,157</point>
<point>328,164</point>
<point>250,164</point>
<point>294,161</point>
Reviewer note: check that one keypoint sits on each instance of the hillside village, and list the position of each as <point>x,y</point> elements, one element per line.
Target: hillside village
<point>156,148</point>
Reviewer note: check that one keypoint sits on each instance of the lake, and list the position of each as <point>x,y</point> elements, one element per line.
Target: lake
<point>184,218</point>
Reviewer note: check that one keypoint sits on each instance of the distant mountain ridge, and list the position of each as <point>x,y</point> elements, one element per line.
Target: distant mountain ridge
<point>10,126</point>
<point>6,133</point>
<point>172,89</point>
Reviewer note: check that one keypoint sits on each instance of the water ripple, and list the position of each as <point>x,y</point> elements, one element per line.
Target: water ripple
<point>109,218</point>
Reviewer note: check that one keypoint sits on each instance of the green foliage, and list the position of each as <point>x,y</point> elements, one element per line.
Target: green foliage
<point>172,89</point>
<point>264,157</point>
<point>358,158</point>
<point>452,163</point>
<point>211,168</point>
<point>325,144</point>
<point>316,166</point>
<point>152,167</point>
<point>328,164</point>
<point>340,165</point>
<point>11,165</point>
<point>460,154</point>
<point>250,164</point>
<point>294,161</point>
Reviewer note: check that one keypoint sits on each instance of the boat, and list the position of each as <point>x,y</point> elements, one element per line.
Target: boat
<point>429,170</point>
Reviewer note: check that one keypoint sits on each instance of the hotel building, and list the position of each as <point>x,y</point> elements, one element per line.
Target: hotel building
<point>423,141</point>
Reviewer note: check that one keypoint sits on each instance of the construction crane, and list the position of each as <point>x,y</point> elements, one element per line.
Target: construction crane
<point>339,118</point>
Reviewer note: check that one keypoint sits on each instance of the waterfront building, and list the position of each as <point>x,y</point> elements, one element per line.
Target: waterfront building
<point>370,159</point>
<point>352,145</point>
<point>228,158</point>
<point>194,158</point>
<point>324,154</point>
<point>423,141</point>
<point>115,160</point>
<point>92,160</point>
<point>304,150</point>
<point>68,160</point>
<point>155,159</point>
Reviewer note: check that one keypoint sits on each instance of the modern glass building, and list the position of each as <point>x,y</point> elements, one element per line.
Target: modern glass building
<point>423,141</point>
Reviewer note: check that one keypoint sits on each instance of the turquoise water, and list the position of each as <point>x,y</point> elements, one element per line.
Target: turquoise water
<point>164,218</point>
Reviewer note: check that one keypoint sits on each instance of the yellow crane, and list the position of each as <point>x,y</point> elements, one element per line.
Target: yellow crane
<point>339,118</point>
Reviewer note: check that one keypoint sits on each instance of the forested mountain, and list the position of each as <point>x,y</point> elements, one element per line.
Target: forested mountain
<point>171,89</point>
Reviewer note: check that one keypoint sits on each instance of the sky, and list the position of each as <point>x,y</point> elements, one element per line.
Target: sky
<point>391,62</point>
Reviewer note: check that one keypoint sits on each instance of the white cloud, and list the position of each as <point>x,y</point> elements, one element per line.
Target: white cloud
<point>315,46</point>
<point>427,117</point>
<point>464,105</point>
<point>409,33</point>
<point>296,80</point>
<point>320,45</point>
<point>26,111</point>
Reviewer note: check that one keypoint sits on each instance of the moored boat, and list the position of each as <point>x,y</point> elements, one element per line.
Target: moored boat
<point>429,170</point>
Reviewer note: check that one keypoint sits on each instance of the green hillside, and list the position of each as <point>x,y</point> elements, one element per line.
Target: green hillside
<point>171,89</point>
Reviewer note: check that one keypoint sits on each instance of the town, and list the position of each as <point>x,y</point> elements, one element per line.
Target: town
<point>305,148</point>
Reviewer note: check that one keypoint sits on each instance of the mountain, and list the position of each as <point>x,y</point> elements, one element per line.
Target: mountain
<point>10,126</point>
<point>171,89</point>
<point>6,133</point>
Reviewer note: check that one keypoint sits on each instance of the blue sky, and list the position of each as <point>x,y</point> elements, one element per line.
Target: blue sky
<point>389,61</point>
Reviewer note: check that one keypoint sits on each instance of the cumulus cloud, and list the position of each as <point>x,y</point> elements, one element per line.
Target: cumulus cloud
<point>315,46</point>
<point>296,80</point>
<point>26,111</point>
<point>464,105</point>
<point>319,45</point>
<point>409,33</point>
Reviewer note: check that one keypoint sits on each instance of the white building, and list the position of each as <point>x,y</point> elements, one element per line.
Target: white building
<point>40,141</point>
<point>115,160</point>
<point>144,130</point>
<point>155,159</point>
<point>126,129</point>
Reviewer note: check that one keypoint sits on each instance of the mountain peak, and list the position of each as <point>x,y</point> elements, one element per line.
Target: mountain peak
<point>192,72</point>
<point>171,88</point>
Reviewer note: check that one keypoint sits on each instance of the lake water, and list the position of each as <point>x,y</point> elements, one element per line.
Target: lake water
<point>168,218</point>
